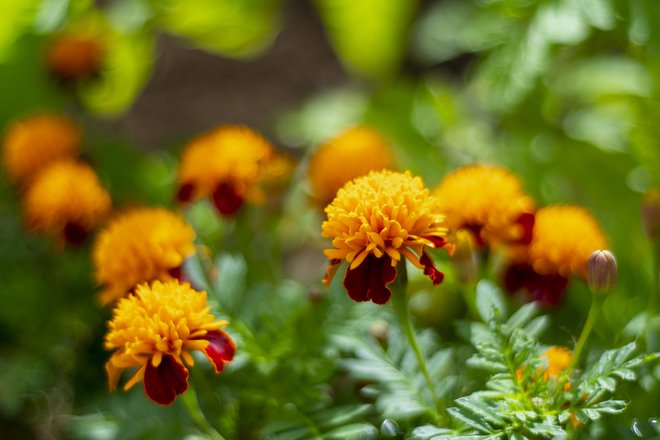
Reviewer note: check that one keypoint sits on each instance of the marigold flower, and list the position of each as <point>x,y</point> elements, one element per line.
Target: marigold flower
<point>563,239</point>
<point>226,164</point>
<point>34,142</point>
<point>66,200</point>
<point>558,359</point>
<point>141,245</point>
<point>489,201</point>
<point>351,154</point>
<point>74,57</point>
<point>374,221</point>
<point>155,329</point>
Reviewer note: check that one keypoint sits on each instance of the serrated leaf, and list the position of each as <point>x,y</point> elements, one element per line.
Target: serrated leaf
<point>469,419</point>
<point>608,383</point>
<point>490,301</point>
<point>480,409</point>
<point>523,315</point>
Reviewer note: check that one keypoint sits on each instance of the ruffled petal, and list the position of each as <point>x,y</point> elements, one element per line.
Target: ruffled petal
<point>526,222</point>
<point>430,270</point>
<point>185,192</point>
<point>221,349</point>
<point>549,290</point>
<point>369,281</point>
<point>166,381</point>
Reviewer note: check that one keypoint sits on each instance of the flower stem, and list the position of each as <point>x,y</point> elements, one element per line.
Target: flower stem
<point>594,310</point>
<point>651,310</point>
<point>400,303</point>
<point>192,405</point>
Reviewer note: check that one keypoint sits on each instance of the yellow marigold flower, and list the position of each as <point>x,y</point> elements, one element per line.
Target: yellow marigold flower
<point>74,57</point>
<point>489,201</point>
<point>563,239</point>
<point>374,221</point>
<point>351,154</point>
<point>226,164</point>
<point>67,200</point>
<point>34,142</point>
<point>155,329</point>
<point>141,245</point>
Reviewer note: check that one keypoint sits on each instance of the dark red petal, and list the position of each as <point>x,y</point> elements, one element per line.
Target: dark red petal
<point>526,221</point>
<point>439,242</point>
<point>166,381</point>
<point>518,276</point>
<point>549,290</point>
<point>476,232</point>
<point>185,192</point>
<point>74,233</point>
<point>221,349</point>
<point>370,279</point>
<point>226,199</point>
<point>430,270</point>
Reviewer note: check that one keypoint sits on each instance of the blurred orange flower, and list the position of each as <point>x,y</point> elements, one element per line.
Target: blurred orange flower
<point>351,154</point>
<point>141,245</point>
<point>66,200</point>
<point>74,57</point>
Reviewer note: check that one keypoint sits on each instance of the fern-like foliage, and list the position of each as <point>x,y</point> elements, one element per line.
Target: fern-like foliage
<point>521,400</point>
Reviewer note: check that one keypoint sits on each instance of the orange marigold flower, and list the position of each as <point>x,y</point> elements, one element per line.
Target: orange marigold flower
<point>74,57</point>
<point>558,359</point>
<point>66,200</point>
<point>141,245</point>
<point>34,142</point>
<point>489,201</point>
<point>374,221</point>
<point>563,239</point>
<point>155,329</point>
<point>351,154</point>
<point>226,164</point>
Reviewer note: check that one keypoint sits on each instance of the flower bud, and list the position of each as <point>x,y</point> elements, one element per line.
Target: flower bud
<point>601,271</point>
<point>650,213</point>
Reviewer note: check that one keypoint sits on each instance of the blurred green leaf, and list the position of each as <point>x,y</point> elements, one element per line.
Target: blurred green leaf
<point>15,17</point>
<point>233,28</point>
<point>368,35</point>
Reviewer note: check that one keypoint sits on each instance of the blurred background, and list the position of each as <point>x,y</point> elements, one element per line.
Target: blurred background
<point>564,93</point>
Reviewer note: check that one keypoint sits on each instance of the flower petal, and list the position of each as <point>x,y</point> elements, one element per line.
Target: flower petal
<point>226,199</point>
<point>430,269</point>
<point>221,349</point>
<point>163,383</point>
<point>331,271</point>
<point>370,279</point>
<point>526,222</point>
<point>185,192</point>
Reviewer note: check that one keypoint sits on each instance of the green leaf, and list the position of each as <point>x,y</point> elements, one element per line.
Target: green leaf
<point>233,28</point>
<point>368,35</point>
<point>490,301</point>
<point>16,16</point>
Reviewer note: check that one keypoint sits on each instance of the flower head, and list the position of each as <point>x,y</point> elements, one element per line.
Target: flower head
<point>141,245</point>
<point>74,57</point>
<point>155,329</point>
<point>351,154</point>
<point>66,200</point>
<point>558,359</point>
<point>489,201</point>
<point>34,142</point>
<point>226,164</point>
<point>563,239</point>
<point>376,221</point>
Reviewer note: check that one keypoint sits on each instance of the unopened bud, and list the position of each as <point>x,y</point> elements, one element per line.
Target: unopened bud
<point>650,213</point>
<point>601,271</point>
<point>465,257</point>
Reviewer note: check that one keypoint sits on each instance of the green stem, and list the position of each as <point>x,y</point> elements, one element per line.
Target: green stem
<point>400,303</point>
<point>192,405</point>
<point>652,343</point>
<point>596,302</point>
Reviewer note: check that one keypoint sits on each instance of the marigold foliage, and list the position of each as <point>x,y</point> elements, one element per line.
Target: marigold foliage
<point>351,154</point>
<point>34,142</point>
<point>486,199</point>
<point>140,245</point>
<point>66,194</point>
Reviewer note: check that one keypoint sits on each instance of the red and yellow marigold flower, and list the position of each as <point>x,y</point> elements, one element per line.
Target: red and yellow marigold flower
<point>351,154</point>
<point>141,245</point>
<point>66,200</point>
<point>377,221</point>
<point>73,57</point>
<point>226,164</point>
<point>154,330</point>
<point>34,142</point>
<point>563,239</point>
<point>489,201</point>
